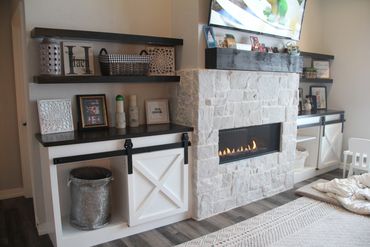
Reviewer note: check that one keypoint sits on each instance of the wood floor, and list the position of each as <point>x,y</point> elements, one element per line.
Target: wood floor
<point>17,226</point>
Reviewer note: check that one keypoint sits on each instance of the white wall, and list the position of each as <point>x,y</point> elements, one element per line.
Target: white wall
<point>185,25</point>
<point>347,36</point>
<point>10,163</point>
<point>312,39</point>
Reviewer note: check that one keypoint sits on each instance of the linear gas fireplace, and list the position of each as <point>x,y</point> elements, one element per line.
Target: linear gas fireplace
<point>243,143</point>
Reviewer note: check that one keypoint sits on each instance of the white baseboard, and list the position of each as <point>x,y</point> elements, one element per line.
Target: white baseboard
<point>43,229</point>
<point>12,193</point>
<point>310,172</point>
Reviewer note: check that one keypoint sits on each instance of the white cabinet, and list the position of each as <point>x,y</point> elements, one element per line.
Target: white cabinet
<point>158,186</point>
<point>322,137</point>
<point>149,192</point>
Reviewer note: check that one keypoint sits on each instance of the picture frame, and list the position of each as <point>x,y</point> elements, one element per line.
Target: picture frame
<point>230,41</point>
<point>157,111</point>
<point>78,59</point>
<point>209,36</point>
<point>300,99</point>
<point>55,116</point>
<point>255,43</point>
<point>322,68</point>
<point>92,111</point>
<point>321,96</point>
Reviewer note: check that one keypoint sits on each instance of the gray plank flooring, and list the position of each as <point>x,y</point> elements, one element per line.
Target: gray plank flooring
<point>17,227</point>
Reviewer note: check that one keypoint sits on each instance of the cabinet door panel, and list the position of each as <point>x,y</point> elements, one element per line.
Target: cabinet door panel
<point>158,186</point>
<point>331,145</point>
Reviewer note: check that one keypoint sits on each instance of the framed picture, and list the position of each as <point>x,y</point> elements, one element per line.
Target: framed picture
<point>300,99</point>
<point>321,96</point>
<point>55,115</point>
<point>78,58</point>
<point>157,111</point>
<point>300,94</point>
<point>230,41</point>
<point>210,37</point>
<point>92,111</point>
<point>255,43</point>
<point>322,68</point>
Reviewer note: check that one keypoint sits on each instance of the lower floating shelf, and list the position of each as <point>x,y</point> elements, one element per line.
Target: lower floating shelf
<point>44,79</point>
<point>104,234</point>
<point>305,138</point>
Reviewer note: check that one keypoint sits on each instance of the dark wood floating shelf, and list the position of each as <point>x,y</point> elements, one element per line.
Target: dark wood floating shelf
<point>233,59</point>
<point>317,56</point>
<point>39,32</point>
<point>317,80</point>
<point>104,79</point>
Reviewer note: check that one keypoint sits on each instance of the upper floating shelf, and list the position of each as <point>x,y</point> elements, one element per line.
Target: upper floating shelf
<point>316,80</point>
<point>318,56</point>
<point>39,32</point>
<point>44,79</point>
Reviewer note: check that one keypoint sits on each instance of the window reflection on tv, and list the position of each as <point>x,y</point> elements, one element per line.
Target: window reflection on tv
<point>275,17</point>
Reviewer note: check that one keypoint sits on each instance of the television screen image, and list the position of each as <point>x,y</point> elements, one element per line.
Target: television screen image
<point>275,17</point>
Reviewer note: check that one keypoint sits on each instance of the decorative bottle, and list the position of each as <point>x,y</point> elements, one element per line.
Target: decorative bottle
<point>120,112</point>
<point>133,112</point>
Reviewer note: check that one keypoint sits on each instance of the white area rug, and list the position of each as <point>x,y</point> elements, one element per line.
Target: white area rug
<point>302,222</point>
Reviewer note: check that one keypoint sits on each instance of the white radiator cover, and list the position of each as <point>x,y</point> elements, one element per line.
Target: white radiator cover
<point>210,100</point>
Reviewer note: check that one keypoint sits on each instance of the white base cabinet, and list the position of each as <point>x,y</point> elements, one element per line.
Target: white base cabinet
<point>322,137</point>
<point>153,195</point>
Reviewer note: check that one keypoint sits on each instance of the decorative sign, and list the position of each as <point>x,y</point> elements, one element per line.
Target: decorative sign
<point>322,68</point>
<point>78,59</point>
<point>55,115</point>
<point>162,60</point>
<point>157,111</point>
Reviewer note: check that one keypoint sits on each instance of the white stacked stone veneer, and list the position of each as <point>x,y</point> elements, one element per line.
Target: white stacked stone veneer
<point>210,100</point>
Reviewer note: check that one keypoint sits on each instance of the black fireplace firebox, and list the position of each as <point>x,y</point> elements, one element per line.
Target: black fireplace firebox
<point>243,143</point>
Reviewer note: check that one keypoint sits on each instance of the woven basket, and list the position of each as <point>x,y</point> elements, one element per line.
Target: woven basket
<point>118,64</point>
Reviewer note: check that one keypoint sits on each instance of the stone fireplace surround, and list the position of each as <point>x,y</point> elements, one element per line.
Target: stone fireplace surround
<point>211,100</point>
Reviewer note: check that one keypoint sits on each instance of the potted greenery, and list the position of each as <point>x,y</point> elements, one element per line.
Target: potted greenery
<point>310,72</point>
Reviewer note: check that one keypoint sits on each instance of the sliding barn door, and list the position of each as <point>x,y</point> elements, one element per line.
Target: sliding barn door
<point>158,186</point>
<point>331,145</point>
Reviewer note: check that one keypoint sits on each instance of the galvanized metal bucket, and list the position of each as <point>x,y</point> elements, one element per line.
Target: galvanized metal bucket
<point>90,197</point>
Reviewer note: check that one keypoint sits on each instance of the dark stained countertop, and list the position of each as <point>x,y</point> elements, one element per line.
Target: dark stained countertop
<point>318,113</point>
<point>76,137</point>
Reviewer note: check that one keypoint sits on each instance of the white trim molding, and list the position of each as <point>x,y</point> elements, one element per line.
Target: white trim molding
<point>11,193</point>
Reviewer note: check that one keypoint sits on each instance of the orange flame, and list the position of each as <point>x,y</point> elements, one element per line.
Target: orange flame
<point>241,149</point>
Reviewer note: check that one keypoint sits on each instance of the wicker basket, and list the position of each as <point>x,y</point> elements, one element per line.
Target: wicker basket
<point>118,64</point>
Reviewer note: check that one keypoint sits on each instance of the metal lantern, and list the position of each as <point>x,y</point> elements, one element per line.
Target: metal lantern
<point>50,57</point>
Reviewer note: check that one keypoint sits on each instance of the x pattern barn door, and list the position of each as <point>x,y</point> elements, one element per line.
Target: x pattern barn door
<point>158,186</point>
<point>331,145</point>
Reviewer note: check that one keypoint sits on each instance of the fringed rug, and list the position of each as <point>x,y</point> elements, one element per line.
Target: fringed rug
<point>302,222</point>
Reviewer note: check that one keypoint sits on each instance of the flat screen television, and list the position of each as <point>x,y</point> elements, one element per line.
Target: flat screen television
<point>281,18</point>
